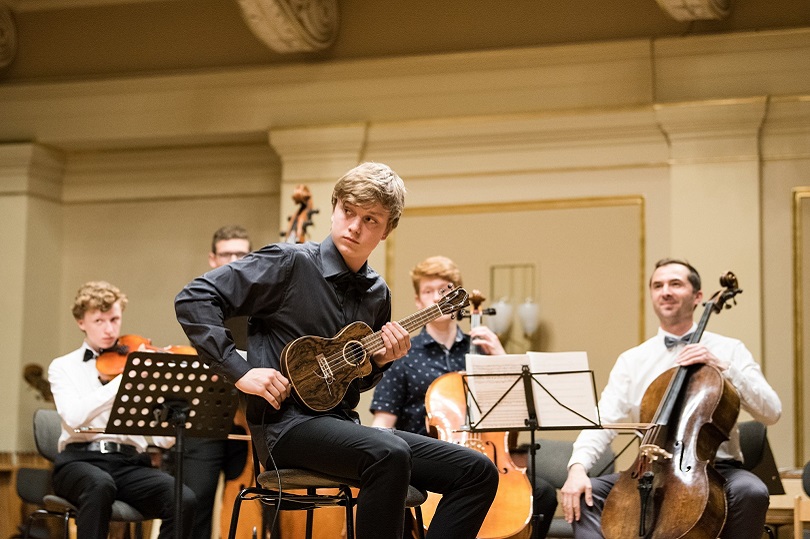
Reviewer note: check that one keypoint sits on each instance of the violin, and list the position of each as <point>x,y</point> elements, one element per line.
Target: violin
<point>111,361</point>
<point>445,402</point>
<point>672,490</point>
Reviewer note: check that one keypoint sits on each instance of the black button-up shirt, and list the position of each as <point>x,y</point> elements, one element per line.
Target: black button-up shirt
<point>287,291</point>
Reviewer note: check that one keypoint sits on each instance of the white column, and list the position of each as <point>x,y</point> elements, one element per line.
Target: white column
<point>715,201</point>
<point>30,183</point>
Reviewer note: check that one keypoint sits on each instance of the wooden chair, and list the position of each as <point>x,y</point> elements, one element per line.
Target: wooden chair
<point>47,428</point>
<point>801,514</point>
<point>801,505</point>
<point>273,489</point>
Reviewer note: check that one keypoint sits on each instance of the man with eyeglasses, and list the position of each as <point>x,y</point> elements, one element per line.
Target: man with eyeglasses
<point>230,243</point>
<point>204,459</point>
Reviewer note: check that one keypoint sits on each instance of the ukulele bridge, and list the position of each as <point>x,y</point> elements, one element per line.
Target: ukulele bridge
<point>326,371</point>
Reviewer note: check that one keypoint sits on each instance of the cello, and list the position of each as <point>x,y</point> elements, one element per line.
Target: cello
<point>445,403</point>
<point>297,224</point>
<point>672,491</point>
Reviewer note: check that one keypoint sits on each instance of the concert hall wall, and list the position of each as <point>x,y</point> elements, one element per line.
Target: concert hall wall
<point>698,141</point>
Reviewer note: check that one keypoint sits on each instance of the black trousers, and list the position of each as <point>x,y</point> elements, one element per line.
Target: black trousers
<point>203,460</point>
<point>746,496</point>
<point>384,463</point>
<point>92,481</point>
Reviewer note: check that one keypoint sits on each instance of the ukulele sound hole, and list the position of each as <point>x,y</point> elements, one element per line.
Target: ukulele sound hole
<point>353,353</point>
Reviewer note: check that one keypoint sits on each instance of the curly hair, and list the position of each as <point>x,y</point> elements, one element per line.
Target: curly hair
<point>97,296</point>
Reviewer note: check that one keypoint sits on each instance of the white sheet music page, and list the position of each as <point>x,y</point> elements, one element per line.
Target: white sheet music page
<point>511,411</point>
<point>564,395</point>
<point>558,361</point>
<point>563,391</point>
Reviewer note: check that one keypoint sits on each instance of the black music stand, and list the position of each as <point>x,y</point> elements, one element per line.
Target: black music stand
<point>531,423</point>
<point>178,395</point>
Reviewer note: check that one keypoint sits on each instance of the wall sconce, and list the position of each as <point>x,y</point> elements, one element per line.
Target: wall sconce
<point>519,280</point>
<point>528,314</point>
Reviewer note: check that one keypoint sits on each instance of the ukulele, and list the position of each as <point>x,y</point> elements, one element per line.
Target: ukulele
<point>320,369</point>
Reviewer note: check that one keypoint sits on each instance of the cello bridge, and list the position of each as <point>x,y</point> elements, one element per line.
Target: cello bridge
<point>652,452</point>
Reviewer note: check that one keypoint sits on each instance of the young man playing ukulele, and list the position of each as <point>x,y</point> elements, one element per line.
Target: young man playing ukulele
<point>295,290</point>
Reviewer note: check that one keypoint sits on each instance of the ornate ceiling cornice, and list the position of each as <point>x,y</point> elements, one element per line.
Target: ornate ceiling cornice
<point>8,36</point>
<point>695,10</point>
<point>289,26</point>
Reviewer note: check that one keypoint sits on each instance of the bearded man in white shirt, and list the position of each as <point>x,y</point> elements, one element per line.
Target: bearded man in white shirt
<point>675,291</point>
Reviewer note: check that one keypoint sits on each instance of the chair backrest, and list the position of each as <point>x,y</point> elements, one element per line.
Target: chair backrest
<point>552,461</point>
<point>758,457</point>
<point>47,429</point>
<point>33,484</point>
<point>752,442</point>
<point>806,478</point>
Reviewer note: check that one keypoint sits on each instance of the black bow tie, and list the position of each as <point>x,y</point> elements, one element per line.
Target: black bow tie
<point>672,342</point>
<point>351,280</point>
<point>88,354</point>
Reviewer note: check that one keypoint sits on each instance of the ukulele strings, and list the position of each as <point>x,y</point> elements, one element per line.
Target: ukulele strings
<point>412,322</point>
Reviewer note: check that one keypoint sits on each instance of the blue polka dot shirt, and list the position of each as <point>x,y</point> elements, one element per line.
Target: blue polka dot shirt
<point>403,387</point>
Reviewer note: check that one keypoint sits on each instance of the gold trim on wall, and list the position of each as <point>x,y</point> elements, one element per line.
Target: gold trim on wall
<point>799,195</point>
<point>533,205</point>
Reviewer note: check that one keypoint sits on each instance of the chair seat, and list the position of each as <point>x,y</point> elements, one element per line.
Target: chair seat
<point>121,511</point>
<point>560,528</point>
<point>295,478</point>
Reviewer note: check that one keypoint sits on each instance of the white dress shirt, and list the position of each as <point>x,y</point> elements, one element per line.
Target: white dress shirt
<point>83,401</point>
<point>638,367</point>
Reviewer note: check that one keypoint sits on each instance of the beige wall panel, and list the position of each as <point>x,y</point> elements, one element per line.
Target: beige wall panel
<point>732,65</point>
<point>14,210</point>
<point>569,243</point>
<point>780,177</point>
<point>802,313</point>
<point>150,249</point>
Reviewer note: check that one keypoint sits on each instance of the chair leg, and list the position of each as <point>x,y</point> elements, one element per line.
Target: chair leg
<point>770,532</point>
<point>347,495</point>
<point>310,515</point>
<point>67,525</point>
<point>237,505</point>
<point>420,526</point>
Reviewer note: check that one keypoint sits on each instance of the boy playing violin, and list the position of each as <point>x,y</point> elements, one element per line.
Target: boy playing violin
<point>94,469</point>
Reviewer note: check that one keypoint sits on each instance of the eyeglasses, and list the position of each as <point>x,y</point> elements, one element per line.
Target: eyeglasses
<point>226,255</point>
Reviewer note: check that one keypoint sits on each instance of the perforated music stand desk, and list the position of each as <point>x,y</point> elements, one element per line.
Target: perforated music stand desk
<point>178,395</point>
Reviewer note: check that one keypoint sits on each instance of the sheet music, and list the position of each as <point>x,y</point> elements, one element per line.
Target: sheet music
<point>574,391</point>
<point>562,386</point>
<point>558,361</point>
<point>511,411</point>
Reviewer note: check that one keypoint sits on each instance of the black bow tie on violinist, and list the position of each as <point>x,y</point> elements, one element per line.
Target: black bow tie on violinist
<point>117,348</point>
<point>672,342</point>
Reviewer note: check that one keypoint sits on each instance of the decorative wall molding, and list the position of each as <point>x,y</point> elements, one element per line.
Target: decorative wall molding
<point>289,26</point>
<point>696,10</point>
<point>8,36</point>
